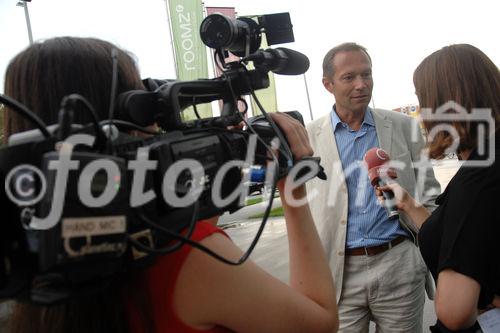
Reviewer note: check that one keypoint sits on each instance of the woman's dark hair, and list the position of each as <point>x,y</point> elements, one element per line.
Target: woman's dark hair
<point>103,311</point>
<point>465,75</point>
<point>39,77</point>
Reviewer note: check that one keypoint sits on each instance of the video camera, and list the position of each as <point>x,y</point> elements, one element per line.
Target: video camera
<point>83,203</point>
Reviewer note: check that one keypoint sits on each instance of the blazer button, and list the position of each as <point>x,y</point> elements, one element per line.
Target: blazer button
<point>340,253</point>
<point>343,222</point>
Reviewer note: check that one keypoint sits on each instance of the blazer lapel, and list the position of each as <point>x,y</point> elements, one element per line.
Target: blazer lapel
<point>383,125</point>
<point>327,149</point>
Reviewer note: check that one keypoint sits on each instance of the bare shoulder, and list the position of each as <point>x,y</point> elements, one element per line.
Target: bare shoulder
<point>210,293</point>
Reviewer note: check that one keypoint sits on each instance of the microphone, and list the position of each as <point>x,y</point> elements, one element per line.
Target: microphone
<point>280,61</point>
<point>376,161</point>
<point>141,106</point>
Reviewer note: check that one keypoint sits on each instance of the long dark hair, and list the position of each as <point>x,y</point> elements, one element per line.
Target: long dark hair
<point>464,74</point>
<point>39,77</point>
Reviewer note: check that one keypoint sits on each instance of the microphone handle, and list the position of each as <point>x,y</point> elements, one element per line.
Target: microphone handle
<point>389,202</point>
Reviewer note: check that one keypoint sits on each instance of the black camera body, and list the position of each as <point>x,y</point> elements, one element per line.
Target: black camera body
<point>80,223</point>
<point>91,244</point>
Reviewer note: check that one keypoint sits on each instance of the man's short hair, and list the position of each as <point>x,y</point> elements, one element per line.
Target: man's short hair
<point>344,47</point>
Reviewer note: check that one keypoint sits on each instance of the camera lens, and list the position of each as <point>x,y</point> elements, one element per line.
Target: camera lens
<point>217,31</point>
<point>221,32</point>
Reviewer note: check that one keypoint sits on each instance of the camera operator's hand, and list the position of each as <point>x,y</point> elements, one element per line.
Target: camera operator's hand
<point>298,141</point>
<point>295,133</point>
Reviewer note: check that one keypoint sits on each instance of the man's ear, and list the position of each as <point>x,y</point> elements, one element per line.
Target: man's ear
<point>328,84</point>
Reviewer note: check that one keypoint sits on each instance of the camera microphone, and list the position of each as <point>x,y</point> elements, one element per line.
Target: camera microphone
<point>280,61</point>
<point>376,161</point>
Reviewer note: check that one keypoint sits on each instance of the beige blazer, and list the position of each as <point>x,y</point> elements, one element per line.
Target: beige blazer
<point>400,136</point>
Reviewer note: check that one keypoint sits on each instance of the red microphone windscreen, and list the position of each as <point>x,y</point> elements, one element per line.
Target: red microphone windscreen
<point>377,160</point>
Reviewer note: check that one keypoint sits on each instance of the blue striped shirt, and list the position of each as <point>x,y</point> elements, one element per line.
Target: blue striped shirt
<point>367,221</point>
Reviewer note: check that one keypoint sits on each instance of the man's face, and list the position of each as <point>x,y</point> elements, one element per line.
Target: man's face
<point>352,81</point>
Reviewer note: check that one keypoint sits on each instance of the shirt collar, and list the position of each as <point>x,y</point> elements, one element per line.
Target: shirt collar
<point>368,120</point>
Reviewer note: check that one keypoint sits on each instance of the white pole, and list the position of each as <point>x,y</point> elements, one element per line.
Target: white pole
<point>308,98</point>
<point>169,22</point>
<point>24,4</point>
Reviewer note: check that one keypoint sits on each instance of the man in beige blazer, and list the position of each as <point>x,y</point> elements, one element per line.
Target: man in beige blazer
<point>378,271</point>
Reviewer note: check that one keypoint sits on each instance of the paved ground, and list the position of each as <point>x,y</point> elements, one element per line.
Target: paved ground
<point>271,253</point>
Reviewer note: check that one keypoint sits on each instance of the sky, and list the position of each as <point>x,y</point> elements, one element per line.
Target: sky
<point>397,34</point>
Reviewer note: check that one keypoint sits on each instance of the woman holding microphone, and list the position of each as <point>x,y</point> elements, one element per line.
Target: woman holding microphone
<point>459,240</point>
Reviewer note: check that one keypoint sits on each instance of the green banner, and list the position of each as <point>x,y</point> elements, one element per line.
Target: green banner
<point>266,97</point>
<point>190,52</point>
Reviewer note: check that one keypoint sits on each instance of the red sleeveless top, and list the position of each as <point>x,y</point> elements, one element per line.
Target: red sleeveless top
<point>159,283</point>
